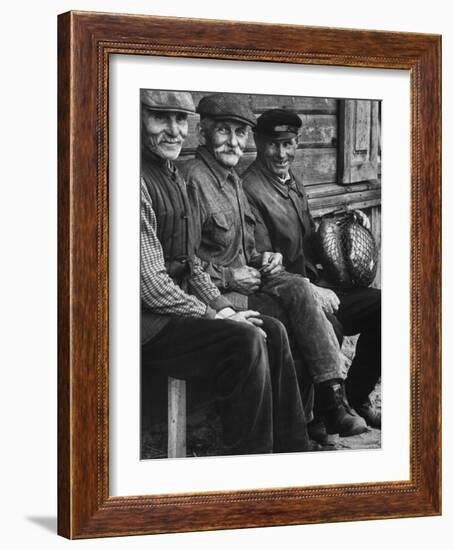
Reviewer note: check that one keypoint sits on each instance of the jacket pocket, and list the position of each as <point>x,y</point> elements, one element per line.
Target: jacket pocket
<point>221,227</point>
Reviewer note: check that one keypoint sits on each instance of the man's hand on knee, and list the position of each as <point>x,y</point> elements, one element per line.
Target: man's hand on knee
<point>326,298</point>
<point>249,316</point>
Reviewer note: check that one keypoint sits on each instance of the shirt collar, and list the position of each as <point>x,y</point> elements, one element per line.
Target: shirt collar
<point>282,185</point>
<point>220,172</point>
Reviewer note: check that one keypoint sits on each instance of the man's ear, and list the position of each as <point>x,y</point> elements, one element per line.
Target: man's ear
<point>201,132</point>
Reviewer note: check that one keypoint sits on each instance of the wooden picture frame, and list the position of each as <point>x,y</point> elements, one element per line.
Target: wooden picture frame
<point>86,40</point>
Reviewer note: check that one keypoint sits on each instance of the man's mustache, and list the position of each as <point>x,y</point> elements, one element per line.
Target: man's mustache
<point>236,150</point>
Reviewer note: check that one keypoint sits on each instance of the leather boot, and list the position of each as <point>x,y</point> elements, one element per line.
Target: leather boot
<point>335,410</point>
<point>317,431</point>
<point>318,435</point>
<point>368,411</point>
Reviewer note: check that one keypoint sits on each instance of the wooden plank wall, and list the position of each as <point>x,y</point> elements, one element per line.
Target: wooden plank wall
<point>316,158</point>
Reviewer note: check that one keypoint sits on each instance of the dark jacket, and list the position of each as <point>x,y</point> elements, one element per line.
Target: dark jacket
<point>283,220</point>
<point>227,224</point>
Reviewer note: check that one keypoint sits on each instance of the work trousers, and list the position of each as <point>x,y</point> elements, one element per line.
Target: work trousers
<point>290,299</point>
<point>360,313</point>
<point>253,379</point>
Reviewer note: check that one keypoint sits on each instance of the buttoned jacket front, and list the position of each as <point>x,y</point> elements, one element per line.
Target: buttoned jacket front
<point>227,223</point>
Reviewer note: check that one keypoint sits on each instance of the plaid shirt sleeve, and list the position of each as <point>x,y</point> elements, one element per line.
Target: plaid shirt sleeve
<point>205,289</point>
<point>158,291</point>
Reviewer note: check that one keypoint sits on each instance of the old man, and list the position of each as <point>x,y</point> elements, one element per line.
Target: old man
<point>257,279</point>
<point>284,223</point>
<point>189,330</point>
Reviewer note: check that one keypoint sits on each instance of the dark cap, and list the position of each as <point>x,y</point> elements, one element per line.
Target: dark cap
<point>159,100</point>
<point>227,106</point>
<point>278,124</point>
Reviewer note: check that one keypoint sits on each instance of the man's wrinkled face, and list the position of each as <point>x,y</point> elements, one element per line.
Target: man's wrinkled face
<point>277,155</point>
<point>164,132</point>
<point>226,139</point>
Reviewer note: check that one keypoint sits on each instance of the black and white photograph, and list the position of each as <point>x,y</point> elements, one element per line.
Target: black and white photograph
<point>229,225</point>
<point>260,236</point>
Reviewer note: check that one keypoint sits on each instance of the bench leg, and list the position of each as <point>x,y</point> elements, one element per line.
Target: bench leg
<point>176,418</point>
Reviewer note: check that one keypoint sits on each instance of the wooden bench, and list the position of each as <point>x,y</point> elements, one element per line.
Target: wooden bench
<point>177,407</point>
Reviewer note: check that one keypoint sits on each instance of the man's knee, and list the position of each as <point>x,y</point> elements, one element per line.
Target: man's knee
<point>248,340</point>
<point>274,329</point>
<point>360,311</point>
<point>370,298</point>
<point>298,293</point>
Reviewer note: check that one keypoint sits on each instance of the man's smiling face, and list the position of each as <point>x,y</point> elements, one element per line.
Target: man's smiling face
<point>226,139</point>
<point>277,155</point>
<point>164,132</point>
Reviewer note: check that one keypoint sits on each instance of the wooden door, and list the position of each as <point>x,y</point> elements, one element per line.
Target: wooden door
<point>358,136</point>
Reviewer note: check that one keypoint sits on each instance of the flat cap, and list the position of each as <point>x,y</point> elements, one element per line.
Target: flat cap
<point>278,124</point>
<point>161,100</point>
<point>227,106</point>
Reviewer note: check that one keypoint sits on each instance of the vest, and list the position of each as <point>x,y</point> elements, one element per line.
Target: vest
<point>175,225</point>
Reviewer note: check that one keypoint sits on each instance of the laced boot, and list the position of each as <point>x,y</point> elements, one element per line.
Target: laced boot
<point>338,416</point>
